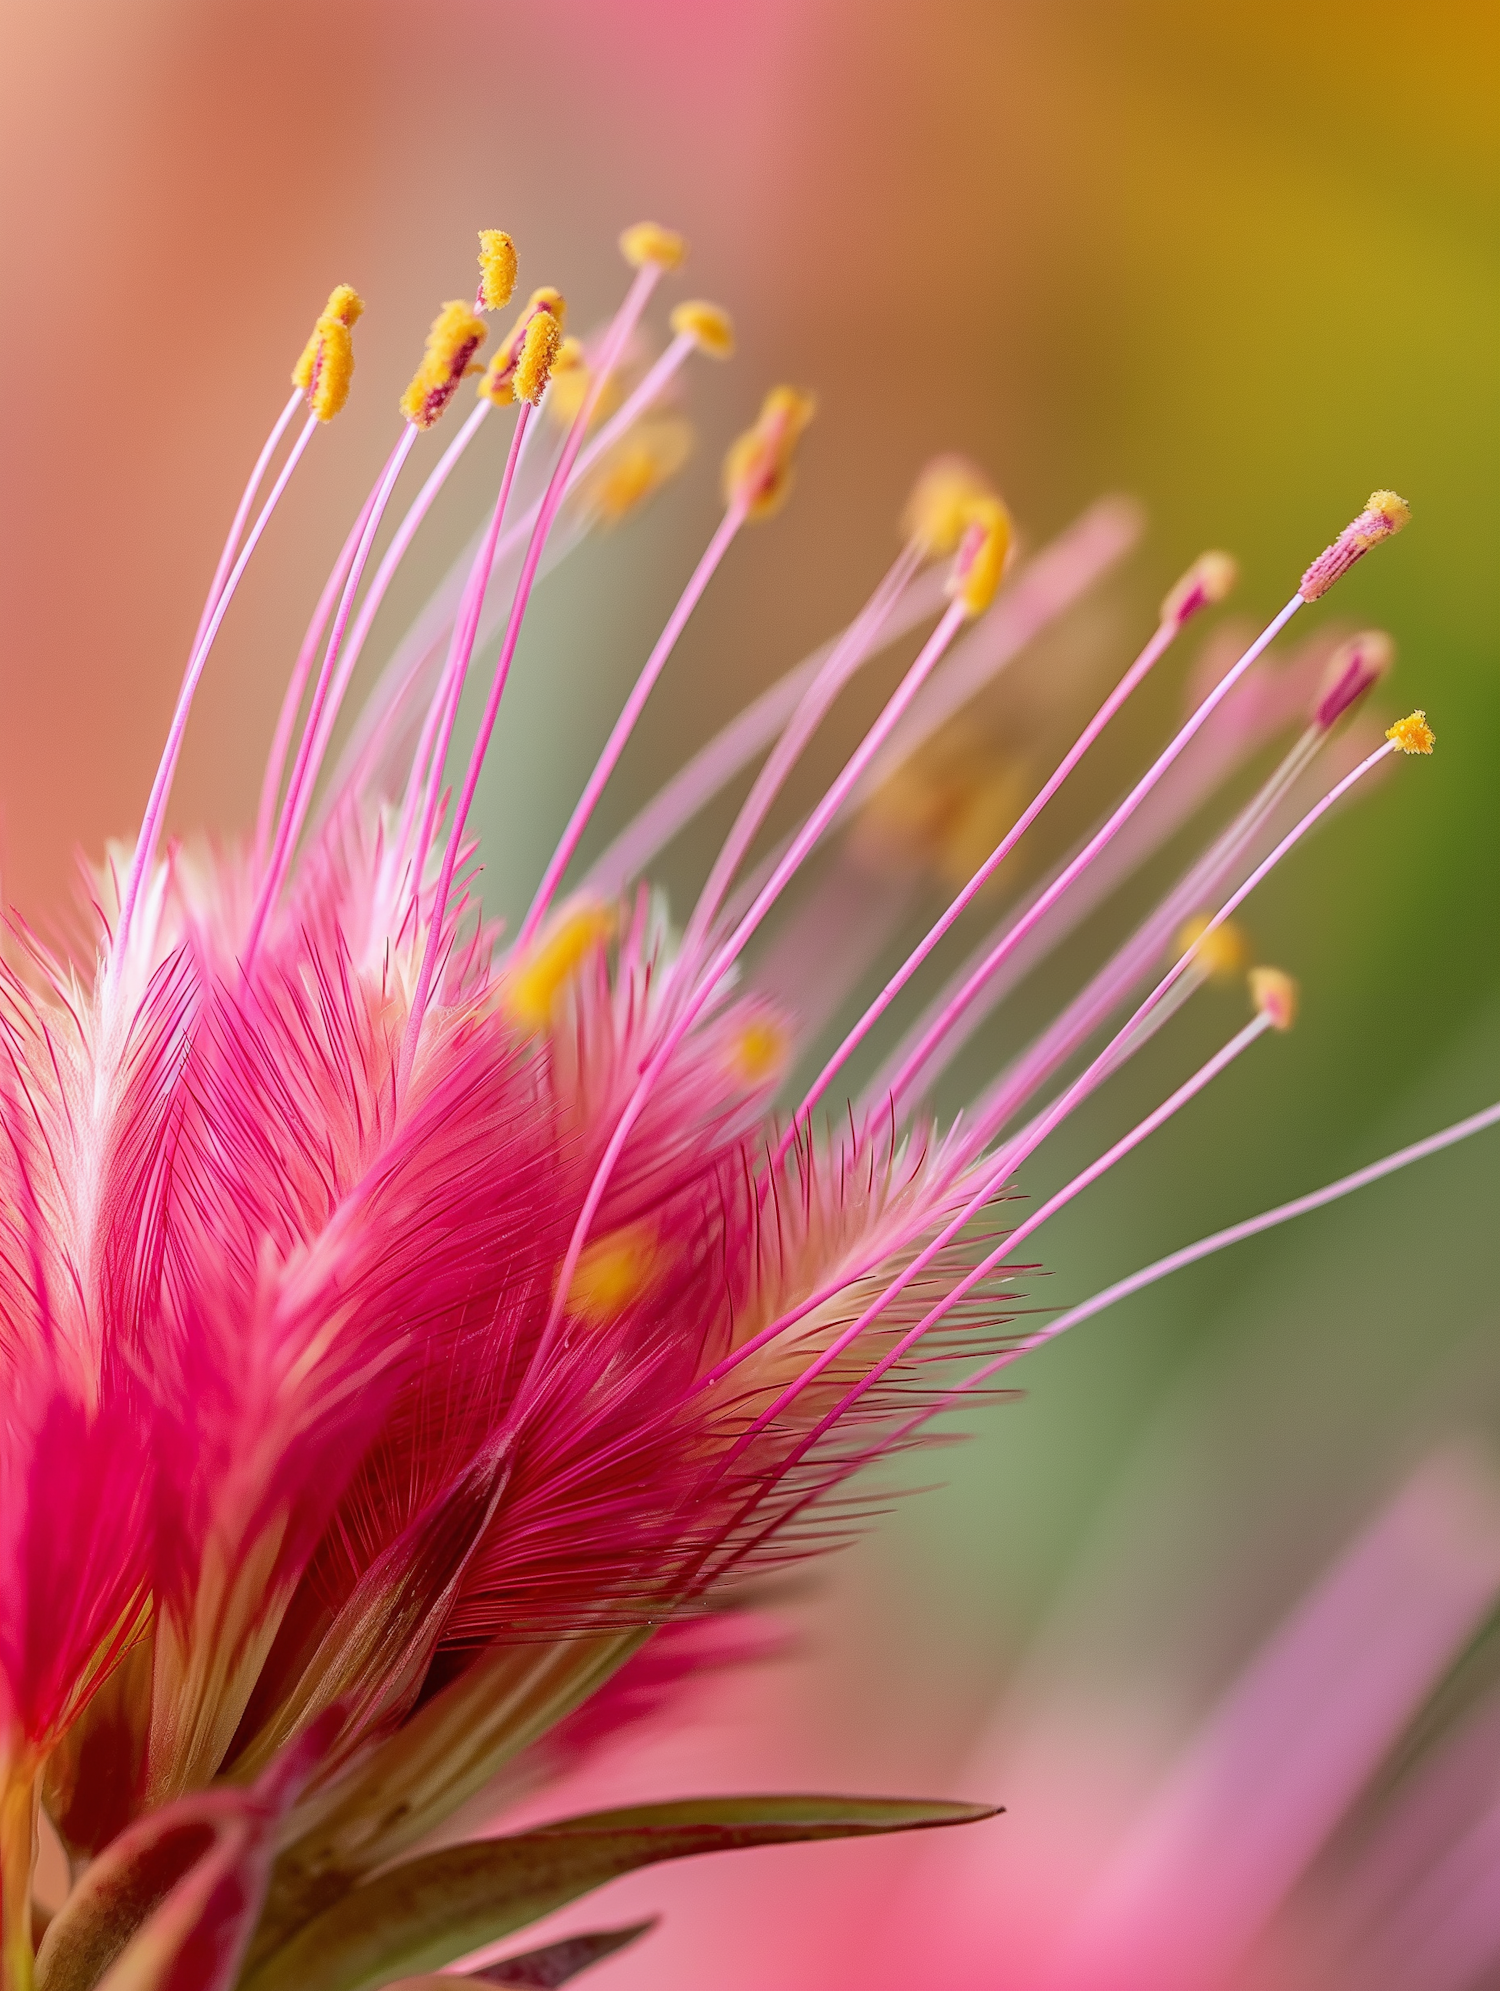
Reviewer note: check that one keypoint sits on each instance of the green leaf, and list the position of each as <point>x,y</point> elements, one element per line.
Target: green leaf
<point>422,1915</point>
<point>539,1970</point>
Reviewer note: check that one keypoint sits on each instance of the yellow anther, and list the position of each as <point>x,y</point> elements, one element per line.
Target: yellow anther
<point>1205,583</point>
<point>533,984</point>
<point>499,382</point>
<point>1412,734</point>
<point>1223,955</point>
<point>758,1051</point>
<point>539,346</point>
<point>497,270</point>
<point>1274,995</point>
<point>613,1273</point>
<point>647,242</point>
<point>637,467</point>
<point>758,465</point>
<point>1384,513</point>
<point>979,563</point>
<point>455,337</point>
<point>326,367</point>
<point>709,326</point>
<point>942,503</point>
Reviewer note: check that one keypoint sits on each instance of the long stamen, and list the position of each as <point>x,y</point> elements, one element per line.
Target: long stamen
<point>652,251</point>
<point>1207,1247</point>
<point>242,512</point>
<point>625,725</point>
<point>296,800</point>
<point>1209,581</point>
<point>858,643</point>
<point>161,787</point>
<point>1268,1017</point>
<point>1384,515</point>
<point>976,574</point>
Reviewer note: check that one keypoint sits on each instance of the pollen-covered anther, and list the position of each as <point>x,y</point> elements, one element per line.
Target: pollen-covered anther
<point>979,564</point>
<point>637,467</point>
<point>757,1051</point>
<point>534,982</point>
<point>1352,670</point>
<point>942,504</point>
<point>1274,996</point>
<point>499,382</point>
<point>456,335</point>
<point>1223,954</point>
<point>1412,735</point>
<point>497,270</point>
<point>648,242</point>
<point>758,468</point>
<point>539,344</point>
<point>1206,583</point>
<point>326,368</point>
<point>1385,514</point>
<point>613,1273</point>
<point>709,326</point>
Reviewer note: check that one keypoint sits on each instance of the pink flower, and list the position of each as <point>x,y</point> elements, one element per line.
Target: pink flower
<point>402,1320</point>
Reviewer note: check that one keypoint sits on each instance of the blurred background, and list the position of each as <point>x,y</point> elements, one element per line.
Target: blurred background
<point>1240,262</point>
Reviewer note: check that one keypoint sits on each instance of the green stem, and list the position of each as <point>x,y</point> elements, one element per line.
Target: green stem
<point>17,1857</point>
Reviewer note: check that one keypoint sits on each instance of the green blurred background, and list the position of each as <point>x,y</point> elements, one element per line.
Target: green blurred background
<point>1239,261</point>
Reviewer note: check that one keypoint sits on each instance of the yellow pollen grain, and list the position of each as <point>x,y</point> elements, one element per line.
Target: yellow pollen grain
<point>455,337</point>
<point>1413,735</point>
<point>637,467</point>
<point>1274,995</point>
<point>941,504</point>
<point>497,269</point>
<point>758,465</point>
<point>613,1273</point>
<point>979,564</point>
<point>539,347</point>
<point>1392,507</point>
<point>326,367</point>
<point>534,983</point>
<point>758,1051</point>
<point>709,326</point>
<point>648,242</point>
<point>1223,955</point>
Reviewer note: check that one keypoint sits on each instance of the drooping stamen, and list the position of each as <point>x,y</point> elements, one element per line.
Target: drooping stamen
<point>1266,1018</point>
<point>1208,581</point>
<point>299,787</point>
<point>161,787</point>
<point>970,582</point>
<point>942,506</point>
<point>1047,586</point>
<point>651,251</point>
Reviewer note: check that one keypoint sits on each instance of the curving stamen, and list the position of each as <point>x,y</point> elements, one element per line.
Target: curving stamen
<point>325,369</point>
<point>455,337</point>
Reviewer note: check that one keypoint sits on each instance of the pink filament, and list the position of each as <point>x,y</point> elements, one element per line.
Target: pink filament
<point>299,786</point>
<point>242,512</point>
<point>927,660</point>
<point>1098,842</point>
<point>161,788</point>
<point>625,725</point>
<point>1148,657</point>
